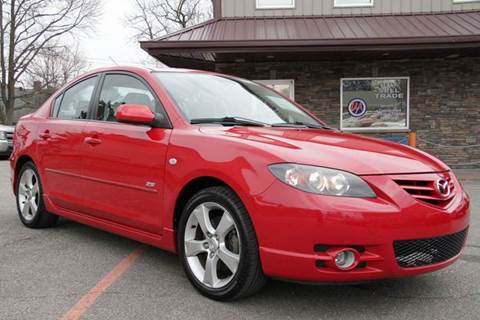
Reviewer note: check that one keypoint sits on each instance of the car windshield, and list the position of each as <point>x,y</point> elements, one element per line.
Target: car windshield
<point>206,96</point>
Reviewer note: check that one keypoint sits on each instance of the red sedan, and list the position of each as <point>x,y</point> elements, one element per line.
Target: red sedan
<point>241,182</point>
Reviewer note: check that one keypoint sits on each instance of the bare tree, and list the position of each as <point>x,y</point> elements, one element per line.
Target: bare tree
<point>28,27</point>
<point>154,18</point>
<point>53,67</point>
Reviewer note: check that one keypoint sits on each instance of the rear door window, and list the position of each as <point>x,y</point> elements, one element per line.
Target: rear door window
<point>56,105</point>
<point>76,100</point>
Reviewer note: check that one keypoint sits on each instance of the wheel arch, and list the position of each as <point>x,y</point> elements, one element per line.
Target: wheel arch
<point>18,166</point>
<point>191,188</point>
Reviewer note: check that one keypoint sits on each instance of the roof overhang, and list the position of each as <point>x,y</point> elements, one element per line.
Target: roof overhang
<point>319,38</point>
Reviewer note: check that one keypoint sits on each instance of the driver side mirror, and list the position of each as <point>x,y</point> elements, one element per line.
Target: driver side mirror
<point>139,114</point>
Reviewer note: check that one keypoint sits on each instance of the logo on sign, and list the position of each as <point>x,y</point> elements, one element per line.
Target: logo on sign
<point>357,108</point>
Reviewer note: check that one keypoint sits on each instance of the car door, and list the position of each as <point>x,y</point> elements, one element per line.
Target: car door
<point>124,163</point>
<point>59,142</point>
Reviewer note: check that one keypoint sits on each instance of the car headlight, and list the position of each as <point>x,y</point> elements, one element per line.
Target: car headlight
<point>2,135</point>
<point>322,181</point>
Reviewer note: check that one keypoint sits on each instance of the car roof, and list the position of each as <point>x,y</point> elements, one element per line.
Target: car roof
<point>138,70</point>
<point>143,69</point>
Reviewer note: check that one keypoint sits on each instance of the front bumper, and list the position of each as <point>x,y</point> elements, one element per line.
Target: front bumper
<point>296,231</point>
<point>6,147</point>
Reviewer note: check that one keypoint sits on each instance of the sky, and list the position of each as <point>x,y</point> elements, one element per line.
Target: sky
<point>112,41</point>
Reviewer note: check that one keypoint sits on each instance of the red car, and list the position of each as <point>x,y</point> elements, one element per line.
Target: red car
<point>241,182</point>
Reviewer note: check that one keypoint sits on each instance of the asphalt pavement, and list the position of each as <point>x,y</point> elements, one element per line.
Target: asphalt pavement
<point>44,273</point>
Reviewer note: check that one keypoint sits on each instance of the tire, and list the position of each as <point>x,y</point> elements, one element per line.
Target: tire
<point>234,253</point>
<point>29,195</point>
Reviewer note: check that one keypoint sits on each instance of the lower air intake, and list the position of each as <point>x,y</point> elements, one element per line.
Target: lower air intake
<point>423,252</point>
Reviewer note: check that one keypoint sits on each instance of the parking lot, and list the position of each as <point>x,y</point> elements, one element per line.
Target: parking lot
<point>45,273</point>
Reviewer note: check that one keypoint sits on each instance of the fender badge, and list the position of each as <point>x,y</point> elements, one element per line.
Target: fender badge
<point>150,184</point>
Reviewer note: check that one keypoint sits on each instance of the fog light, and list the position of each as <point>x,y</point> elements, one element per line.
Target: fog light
<point>346,259</point>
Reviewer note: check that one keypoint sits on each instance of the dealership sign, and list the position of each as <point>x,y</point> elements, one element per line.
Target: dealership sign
<point>375,104</point>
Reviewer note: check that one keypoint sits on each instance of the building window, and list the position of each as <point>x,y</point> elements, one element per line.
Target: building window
<point>275,4</point>
<point>353,3</point>
<point>284,87</point>
<point>375,104</point>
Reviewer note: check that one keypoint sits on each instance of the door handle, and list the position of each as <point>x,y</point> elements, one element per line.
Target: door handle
<point>92,141</point>
<point>45,135</point>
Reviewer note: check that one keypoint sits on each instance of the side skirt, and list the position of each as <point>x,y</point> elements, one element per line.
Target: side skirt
<point>166,241</point>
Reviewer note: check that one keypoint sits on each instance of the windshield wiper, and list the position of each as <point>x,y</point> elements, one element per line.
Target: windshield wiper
<point>299,124</point>
<point>229,121</point>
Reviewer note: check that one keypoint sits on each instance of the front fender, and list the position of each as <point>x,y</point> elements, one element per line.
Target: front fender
<point>242,167</point>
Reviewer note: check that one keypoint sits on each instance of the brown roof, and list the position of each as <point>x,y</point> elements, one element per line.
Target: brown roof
<point>208,41</point>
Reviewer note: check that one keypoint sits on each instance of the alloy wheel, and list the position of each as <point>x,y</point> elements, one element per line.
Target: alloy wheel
<point>28,194</point>
<point>212,245</point>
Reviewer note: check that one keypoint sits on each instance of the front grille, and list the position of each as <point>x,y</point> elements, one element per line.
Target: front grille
<point>423,252</point>
<point>425,190</point>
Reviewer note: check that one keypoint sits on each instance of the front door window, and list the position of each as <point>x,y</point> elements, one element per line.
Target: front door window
<point>121,89</point>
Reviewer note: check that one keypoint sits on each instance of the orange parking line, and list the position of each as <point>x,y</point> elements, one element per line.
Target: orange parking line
<point>87,300</point>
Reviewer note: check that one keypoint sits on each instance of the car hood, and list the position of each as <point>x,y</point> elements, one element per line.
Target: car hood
<point>333,149</point>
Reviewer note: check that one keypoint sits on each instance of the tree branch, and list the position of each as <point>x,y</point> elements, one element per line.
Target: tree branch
<point>30,26</point>
<point>163,16</point>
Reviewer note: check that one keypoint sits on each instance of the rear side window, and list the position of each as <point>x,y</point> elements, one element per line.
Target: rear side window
<point>76,100</point>
<point>56,106</point>
<point>121,89</point>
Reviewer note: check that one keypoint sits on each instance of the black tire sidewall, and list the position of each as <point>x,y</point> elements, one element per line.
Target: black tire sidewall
<point>235,285</point>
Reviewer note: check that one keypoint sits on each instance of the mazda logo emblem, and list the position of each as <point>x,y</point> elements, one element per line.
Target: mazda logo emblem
<point>443,187</point>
